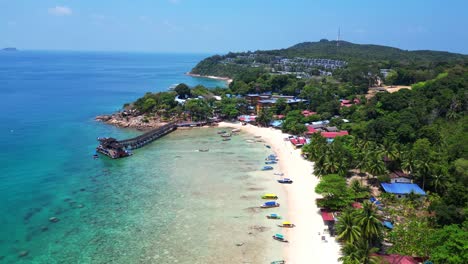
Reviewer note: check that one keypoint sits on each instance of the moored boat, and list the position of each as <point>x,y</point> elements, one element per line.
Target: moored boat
<point>265,168</point>
<point>270,162</point>
<point>203,150</point>
<point>273,216</point>
<point>270,204</point>
<point>285,180</point>
<point>236,130</point>
<point>278,262</point>
<point>278,173</point>
<point>226,135</point>
<point>226,139</point>
<point>280,238</point>
<point>222,132</point>
<point>270,196</point>
<point>268,146</point>
<point>287,224</point>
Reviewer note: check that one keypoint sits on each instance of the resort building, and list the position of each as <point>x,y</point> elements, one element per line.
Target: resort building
<point>401,190</point>
<point>400,177</point>
<point>266,100</point>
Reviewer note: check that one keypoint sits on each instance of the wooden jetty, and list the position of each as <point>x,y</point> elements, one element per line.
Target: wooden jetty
<point>119,149</point>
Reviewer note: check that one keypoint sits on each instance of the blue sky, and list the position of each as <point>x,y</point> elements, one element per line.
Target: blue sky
<point>234,25</point>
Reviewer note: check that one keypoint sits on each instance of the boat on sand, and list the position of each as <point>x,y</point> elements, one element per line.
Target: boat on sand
<point>280,238</point>
<point>270,205</point>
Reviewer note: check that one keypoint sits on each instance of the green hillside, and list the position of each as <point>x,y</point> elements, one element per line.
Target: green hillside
<point>372,56</point>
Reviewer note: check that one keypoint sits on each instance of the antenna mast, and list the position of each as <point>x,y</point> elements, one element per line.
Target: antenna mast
<point>338,39</point>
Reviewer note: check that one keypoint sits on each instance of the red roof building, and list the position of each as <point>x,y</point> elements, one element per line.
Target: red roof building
<point>327,216</point>
<point>300,141</point>
<point>357,205</point>
<point>397,259</point>
<point>311,130</point>
<point>307,113</point>
<point>334,134</point>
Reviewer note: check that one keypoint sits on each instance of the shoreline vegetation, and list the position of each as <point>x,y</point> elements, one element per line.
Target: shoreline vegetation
<point>354,146</point>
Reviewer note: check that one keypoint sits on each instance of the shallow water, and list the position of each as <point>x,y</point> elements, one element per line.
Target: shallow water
<point>168,203</point>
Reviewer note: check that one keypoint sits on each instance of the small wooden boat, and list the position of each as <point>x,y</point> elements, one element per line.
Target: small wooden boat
<point>226,139</point>
<point>270,196</point>
<point>278,262</point>
<point>250,141</point>
<point>270,204</point>
<point>222,132</point>
<point>95,156</point>
<point>270,162</point>
<point>203,150</point>
<point>265,168</point>
<point>280,238</point>
<point>226,135</point>
<point>287,224</point>
<point>268,146</point>
<point>278,173</point>
<point>257,136</point>
<point>286,181</point>
<point>272,157</point>
<point>236,130</point>
<point>273,216</point>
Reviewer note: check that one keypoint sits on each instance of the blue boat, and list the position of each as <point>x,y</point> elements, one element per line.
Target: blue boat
<point>272,157</point>
<point>270,204</point>
<point>280,237</point>
<point>270,162</point>
<point>268,146</point>
<point>273,216</point>
<point>285,180</point>
<point>265,168</point>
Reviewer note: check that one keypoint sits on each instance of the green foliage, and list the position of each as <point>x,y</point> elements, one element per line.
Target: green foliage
<point>293,123</point>
<point>412,237</point>
<point>182,90</point>
<point>335,192</point>
<point>449,245</point>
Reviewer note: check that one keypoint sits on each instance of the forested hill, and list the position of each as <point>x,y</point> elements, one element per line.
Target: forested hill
<point>372,56</point>
<point>350,51</point>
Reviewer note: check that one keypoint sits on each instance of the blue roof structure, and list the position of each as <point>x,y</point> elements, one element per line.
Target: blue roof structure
<point>388,224</point>
<point>276,123</point>
<point>402,188</point>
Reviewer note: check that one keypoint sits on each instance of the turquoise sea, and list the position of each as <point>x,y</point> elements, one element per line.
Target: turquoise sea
<point>168,203</point>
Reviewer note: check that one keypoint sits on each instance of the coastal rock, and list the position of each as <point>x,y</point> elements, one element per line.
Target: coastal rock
<point>131,119</point>
<point>54,219</point>
<point>23,253</point>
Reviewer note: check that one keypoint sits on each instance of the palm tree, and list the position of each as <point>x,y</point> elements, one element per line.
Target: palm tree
<point>359,252</point>
<point>347,228</point>
<point>369,222</point>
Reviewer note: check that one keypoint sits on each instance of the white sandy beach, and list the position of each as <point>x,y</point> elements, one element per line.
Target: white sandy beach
<point>305,243</point>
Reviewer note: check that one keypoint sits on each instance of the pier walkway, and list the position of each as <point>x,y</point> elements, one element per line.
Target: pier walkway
<point>148,137</point>
<point>121,148</point>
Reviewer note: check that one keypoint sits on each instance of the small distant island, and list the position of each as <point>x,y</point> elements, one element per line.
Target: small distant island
<point>10,49</point>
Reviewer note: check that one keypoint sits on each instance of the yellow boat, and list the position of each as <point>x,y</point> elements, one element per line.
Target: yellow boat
<point>287,224</point>
<point>270,196</point>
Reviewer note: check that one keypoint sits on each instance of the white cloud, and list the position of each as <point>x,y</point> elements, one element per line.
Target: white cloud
<point>60,11</point>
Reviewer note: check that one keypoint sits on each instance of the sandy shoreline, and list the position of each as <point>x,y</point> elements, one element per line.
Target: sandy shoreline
<point>305,244</point>
<point>226,79</point>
